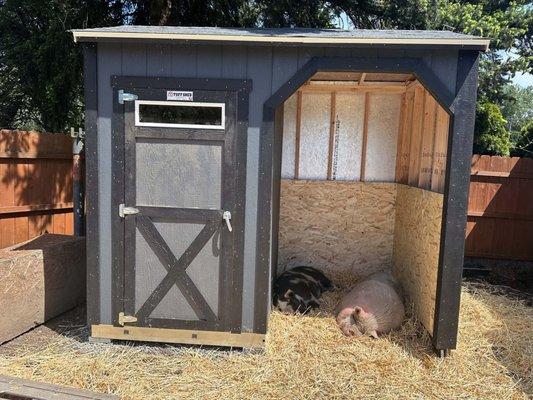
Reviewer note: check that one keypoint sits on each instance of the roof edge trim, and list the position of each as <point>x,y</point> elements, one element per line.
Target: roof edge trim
<point>84,36</point>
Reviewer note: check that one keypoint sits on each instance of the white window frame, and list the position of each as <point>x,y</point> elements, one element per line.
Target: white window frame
<point>222,107</point>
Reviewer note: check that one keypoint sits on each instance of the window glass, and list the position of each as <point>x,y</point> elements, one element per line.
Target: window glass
<point>185,115</point>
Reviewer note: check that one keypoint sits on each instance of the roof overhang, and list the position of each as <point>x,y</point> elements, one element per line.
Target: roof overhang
<point>96,36</point>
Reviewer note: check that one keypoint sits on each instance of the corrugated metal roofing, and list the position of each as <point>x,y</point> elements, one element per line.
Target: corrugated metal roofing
<point>281,35</point>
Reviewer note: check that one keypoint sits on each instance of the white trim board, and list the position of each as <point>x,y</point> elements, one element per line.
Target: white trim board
<point>81,35</point>
<point>222,107</point>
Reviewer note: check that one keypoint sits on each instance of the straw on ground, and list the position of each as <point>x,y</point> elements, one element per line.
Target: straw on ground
<point>306,357</point>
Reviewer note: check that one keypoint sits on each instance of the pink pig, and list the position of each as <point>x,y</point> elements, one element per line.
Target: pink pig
<point>373,306</point>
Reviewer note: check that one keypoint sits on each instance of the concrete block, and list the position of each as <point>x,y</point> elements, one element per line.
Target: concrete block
<point>40,279</point>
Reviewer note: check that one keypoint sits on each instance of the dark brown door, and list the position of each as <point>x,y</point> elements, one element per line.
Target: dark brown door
<point>180,217</point>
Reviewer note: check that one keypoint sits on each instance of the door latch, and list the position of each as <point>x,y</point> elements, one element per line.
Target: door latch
<point>122,96</point>
<point>227,217</point>
<point>123,210</point>
<point>126,319</point>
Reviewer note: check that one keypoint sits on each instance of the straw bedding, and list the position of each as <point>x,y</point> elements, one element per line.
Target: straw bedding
<point>306,357</point>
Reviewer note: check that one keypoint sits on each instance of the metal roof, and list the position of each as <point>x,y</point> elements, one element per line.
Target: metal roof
<point>282,35</point>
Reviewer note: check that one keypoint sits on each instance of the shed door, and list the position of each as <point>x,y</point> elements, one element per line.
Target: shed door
<point>182,221</point>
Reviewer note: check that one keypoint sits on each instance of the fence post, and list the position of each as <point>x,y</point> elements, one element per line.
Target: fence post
<point>78,186</point>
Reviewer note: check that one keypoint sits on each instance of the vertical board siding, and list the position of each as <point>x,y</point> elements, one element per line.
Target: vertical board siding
<point>337,52</point>
<point>184,61</point>
<point>307,53</point>
<point>234,62</point>
<point>159,60</point>
<point>134,60</point>
<point>500,208</point>
<point>256,280</point>
<point>284,65</point>
<point>268,68</point>
<point>209,62</point>
<point>35,185</point>
<point>110,61</point>
<point>444,65</point>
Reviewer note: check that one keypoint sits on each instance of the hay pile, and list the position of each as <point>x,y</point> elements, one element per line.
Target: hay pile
<point>305,358</point>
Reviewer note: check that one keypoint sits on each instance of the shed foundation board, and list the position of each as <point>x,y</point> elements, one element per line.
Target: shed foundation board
<point>347,227</point>
<point>417,238</point>
<point>16,388</point>
<point>40,279</point>
<point>181,336</point>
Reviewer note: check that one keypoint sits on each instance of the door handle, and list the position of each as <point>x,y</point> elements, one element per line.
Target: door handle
<point>123,210</point>
<point>227,217</point>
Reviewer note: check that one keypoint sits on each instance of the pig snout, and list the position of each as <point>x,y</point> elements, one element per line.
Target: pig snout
<point>347,323</point>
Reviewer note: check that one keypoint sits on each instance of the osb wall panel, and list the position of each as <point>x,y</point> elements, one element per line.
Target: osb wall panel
<point>416,247</point>
<point>342,226</point>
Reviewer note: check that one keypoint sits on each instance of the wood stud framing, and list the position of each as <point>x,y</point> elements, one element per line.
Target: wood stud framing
<point>422,131</point>
<point>426,147</point>
<point>297,139</point>
<point>332,118</point>
<point>365,137</point>
<point>422,140</point>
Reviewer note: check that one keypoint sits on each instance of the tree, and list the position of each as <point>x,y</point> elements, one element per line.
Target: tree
<point>509,25</point>
<point>490,134</point>
<point>517,106</point>
<point>228,13</point>
<point>523,146</point>
<point>40,67</point>
<point>43,66</point>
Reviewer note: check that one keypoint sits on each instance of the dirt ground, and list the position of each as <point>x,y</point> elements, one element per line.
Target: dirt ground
<point>306,357</point>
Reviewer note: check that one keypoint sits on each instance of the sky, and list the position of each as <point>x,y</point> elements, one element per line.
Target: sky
<point>523,80</point>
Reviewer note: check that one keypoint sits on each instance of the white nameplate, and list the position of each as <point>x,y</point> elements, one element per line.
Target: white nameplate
<point>176,95</point>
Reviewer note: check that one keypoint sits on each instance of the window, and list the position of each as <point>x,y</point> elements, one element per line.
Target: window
<point>171,114</point>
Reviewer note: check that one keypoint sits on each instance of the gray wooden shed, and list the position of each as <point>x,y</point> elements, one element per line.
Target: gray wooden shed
<point>195,134</point>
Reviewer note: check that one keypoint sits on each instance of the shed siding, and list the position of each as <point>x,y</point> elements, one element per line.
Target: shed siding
<point>109,63</point>
<point>267,67</point>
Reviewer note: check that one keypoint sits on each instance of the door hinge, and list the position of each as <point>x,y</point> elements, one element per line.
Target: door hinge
<point>122,97</point>
<point>126,319</point>
<point>123,210</point>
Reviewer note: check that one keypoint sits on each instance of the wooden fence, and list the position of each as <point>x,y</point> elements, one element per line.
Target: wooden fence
<point>35,185</point>
<point>500,208</point>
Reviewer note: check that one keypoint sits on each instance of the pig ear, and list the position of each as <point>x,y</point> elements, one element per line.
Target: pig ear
<point>358,311</point>
<point>374,334</point>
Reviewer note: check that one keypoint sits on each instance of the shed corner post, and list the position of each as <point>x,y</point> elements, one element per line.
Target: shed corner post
<point>455,206</point>
<point>264,218</point>
<point>90,84</point>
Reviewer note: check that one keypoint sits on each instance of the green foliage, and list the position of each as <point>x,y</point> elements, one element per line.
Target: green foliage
<point>517,106</point>
<point>491,136</point>
<point>40,66</point>
<point>43,64</point>
<point>287,13</point>
<point>509,25</point>
<point>229,13</point>
<point>523,141</point>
